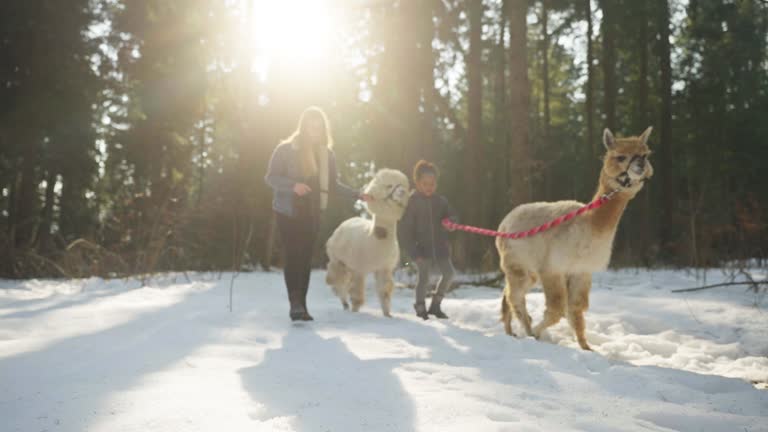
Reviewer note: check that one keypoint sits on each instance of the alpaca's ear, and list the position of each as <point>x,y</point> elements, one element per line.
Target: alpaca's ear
<point>367,187</point>
<point>608,140</point>
<point>644,136</point>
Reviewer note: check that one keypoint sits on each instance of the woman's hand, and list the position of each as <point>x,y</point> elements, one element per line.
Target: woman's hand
<point>301,189</point>
<point>366,197</point>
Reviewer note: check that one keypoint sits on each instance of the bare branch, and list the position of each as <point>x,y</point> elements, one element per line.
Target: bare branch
<point>701,288</point>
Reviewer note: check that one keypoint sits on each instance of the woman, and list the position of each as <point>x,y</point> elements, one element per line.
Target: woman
<point>302,173</point>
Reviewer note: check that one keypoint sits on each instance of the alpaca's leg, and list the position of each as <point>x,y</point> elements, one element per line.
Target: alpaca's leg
<point>384,286</point>
<point>506,315</point>
<point>518,282</point>
<point>337,277</point>
<point>554,293</point>
<point>336,272</point>
<point>357,290</point>
<point>578,302</point>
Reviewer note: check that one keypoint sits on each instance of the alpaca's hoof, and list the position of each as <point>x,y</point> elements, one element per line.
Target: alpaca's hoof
<point>585,346</point>
<point>387,314</point>
<point>345,305</point>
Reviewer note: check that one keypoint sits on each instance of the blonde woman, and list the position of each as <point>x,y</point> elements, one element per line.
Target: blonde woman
<point>302,173</point>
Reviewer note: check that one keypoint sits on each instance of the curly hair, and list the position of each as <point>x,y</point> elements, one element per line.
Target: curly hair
<point>423,168</point>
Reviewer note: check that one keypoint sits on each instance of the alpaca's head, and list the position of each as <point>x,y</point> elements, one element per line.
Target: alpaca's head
<point>626,165</point>
<point>390,192</point>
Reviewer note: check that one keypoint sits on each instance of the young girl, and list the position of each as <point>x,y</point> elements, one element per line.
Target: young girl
<point>302,173</point>
<point>424,238</point>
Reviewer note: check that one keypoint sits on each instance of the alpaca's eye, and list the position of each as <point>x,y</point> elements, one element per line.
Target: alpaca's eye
<point>621,158</point>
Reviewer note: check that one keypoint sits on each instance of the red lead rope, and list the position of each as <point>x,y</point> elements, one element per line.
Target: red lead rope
<point>533,231</point>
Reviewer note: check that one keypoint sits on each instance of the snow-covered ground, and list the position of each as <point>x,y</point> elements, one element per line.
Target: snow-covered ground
<point>94,355</point>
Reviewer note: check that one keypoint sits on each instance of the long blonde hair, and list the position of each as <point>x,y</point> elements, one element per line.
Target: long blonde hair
<point>308,152</point>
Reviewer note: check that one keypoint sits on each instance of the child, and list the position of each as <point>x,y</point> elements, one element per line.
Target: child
<point>424,238</point>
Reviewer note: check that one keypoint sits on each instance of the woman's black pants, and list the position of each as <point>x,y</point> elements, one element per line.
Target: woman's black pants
<point>298,235</point>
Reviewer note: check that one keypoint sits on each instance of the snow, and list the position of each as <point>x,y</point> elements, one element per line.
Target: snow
<point>96,355</point>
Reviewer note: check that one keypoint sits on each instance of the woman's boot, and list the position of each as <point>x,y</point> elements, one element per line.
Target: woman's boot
<point>421,310</point>
<point>434,307</point>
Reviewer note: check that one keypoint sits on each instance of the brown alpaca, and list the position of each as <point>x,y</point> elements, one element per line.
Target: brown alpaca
<point>565,257</point>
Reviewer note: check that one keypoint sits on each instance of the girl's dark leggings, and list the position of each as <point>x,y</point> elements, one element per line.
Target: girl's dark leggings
<point>426,267</point>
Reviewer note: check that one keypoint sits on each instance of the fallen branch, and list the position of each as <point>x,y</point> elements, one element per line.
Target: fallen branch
<point>487,282</point>
<point>51,263</point>
<point>753,284</point>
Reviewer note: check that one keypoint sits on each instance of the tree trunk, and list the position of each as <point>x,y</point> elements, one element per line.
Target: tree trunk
<point>520,178</point>
<point>590,102</point>
<point>27,201</point>
<point>473,147</point>
<point>410,95</point>
<point>608,27</point>
<point>644,236</point>
<point>44,232</point>
<point>473,150</point>
<point>396,95</point>
<point>545,154</point>
<point>427,56</point>
<point>13,192</point>
<point>70,204</point>
<point>9,266</point>
<point>501,119</point>
<point>202,149</point>
<point>665,142</point>
<point>642,86</point>
<point>545,66</point>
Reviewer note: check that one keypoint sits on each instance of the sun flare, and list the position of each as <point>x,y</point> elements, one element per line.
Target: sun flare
<point>299,31</point>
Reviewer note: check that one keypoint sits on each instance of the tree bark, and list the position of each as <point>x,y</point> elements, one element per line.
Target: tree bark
<point>519,176</point>
<point>545,153</point>
<point>473,150</point>
<point>608,27</point>
<point>410,96</point>
<point>500,173</point>
<point>44,232</point>
<point>665,141</point>
<point>545,66</point>
<point>474,189</point>
<point>27,200</point>
<point>12,208</point>
<point>644,237</point>
<point>590,102</point>
<point>427,56</point>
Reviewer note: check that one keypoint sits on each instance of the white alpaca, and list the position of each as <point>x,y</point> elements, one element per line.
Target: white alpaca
<point>360,246</point>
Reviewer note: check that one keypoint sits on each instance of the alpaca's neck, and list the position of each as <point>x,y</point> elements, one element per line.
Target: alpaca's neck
<point>606,218</point>
<point>384,222</point>
<point>384,229</point>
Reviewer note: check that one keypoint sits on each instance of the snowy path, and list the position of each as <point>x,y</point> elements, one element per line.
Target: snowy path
<point>108,356</point>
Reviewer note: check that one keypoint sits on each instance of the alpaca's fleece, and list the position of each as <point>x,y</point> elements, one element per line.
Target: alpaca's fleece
<point>564,258</point>
<point>354,244</point>
<point>360,246</point>
<point>389,189</point>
